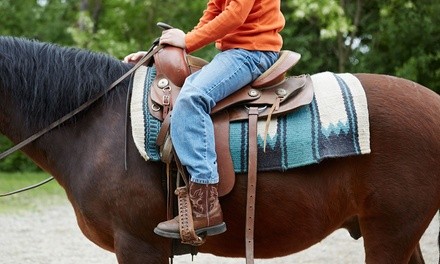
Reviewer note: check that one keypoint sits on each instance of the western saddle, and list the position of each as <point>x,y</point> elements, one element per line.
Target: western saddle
<point>270,94</point>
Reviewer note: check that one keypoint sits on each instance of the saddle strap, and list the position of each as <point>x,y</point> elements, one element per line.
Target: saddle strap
<point>252,184</point>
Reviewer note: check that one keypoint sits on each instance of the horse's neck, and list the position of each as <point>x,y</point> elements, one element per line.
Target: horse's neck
<point>83,143</point>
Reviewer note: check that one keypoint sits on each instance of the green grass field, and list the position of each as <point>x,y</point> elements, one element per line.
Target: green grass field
<point>48,194</point>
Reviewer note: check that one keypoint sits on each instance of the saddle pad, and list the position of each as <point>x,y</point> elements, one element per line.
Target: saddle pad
<point>335,124</point>
<point>145,127</point>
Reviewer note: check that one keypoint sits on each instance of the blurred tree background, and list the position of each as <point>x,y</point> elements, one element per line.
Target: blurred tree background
<point>395,37</point>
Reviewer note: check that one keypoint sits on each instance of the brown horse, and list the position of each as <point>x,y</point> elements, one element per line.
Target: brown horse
<point>389,196</point>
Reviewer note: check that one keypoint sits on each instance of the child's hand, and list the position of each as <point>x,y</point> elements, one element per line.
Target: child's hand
<point>174,37</point>
<point>134,57</point>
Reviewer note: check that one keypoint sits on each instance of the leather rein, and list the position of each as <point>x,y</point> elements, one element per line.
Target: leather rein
<point>154,48</point>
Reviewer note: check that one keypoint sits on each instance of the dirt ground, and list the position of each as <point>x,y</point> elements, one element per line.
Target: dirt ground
<point>52,236</point>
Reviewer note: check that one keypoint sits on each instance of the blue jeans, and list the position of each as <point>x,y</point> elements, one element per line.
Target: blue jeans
<point>192,131</point>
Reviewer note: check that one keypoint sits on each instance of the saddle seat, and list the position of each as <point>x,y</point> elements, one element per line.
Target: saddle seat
<point>173,66</point>
<point>173,62</point>
<point>275,74</point>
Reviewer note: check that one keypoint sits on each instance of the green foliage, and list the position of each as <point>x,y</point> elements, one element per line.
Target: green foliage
<point>28,18</point>
<point>15,161</point>
<point>327,14</point>
<point>409,40</point>
<point>121,27</point>
<point>396,37</point>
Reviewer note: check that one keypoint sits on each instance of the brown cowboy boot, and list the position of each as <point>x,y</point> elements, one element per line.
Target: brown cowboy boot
<point>206,211</point>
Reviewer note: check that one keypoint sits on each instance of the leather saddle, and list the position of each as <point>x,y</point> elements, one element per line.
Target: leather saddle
<point>272,94</point>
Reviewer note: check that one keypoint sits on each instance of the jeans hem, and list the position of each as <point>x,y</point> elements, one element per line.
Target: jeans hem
<point>204,181</point>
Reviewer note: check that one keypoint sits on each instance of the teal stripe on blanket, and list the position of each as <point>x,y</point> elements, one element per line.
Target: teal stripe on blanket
<point>152,125</point>
<point>291,147</point>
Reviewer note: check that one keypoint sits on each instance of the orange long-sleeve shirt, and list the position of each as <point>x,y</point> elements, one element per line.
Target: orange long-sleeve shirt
<point>246,24</point>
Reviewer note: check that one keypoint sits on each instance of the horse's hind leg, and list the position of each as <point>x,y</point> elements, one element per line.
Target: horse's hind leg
<point>392,231</point>
<point>388,241</point>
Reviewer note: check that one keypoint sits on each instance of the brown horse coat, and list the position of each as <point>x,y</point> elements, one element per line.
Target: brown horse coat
<point>389,196</point>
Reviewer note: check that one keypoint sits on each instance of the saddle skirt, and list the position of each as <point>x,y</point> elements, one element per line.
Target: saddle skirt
<point>334,124</point>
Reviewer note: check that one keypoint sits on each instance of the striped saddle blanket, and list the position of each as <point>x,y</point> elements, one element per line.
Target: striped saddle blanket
<point>334,125</point>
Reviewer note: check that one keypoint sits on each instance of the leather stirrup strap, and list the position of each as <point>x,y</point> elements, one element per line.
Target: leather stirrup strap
<point>186,222</point>
<point>252,184</point>
<point>170,204</point>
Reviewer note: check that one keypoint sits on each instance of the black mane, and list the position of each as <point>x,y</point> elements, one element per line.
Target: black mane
<point>48,81</point>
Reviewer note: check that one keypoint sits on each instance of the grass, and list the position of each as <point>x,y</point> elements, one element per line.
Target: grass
<point>48,194</point>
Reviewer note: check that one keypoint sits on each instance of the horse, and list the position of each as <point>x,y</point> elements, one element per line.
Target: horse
<point>388,196</point>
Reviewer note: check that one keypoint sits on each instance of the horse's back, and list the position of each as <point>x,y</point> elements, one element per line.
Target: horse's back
<point>389,91</point>
<point>401,106</point>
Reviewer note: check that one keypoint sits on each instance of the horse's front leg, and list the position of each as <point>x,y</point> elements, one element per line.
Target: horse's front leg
<point>130,249</point>
<point>417,257</point>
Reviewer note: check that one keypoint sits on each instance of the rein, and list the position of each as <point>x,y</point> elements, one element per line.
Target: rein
<point>27,188</point>
<point>154,48</point>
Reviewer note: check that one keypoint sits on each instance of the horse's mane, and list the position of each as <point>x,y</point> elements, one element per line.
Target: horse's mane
<point>49,81</point>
